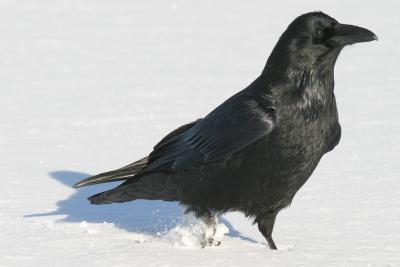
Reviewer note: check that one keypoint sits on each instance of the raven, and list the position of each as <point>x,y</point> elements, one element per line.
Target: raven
<point>257,149</point>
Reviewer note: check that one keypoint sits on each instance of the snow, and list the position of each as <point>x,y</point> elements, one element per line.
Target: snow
<point>88,86</point>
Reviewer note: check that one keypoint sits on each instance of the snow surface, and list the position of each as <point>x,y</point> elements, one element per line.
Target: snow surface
<point>88,86</point>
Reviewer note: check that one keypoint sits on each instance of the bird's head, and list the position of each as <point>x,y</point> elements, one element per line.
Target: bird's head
<point>313,40</point>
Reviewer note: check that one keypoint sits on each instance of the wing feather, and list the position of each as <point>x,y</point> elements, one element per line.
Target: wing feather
<point>239,122</point>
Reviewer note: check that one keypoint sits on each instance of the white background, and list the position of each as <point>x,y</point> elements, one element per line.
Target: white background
<point>89,86</point>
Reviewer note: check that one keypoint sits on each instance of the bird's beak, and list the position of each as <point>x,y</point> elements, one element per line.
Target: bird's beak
<point>344,34</point>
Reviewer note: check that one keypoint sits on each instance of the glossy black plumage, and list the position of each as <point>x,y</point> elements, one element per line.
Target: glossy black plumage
<point>255,151</point>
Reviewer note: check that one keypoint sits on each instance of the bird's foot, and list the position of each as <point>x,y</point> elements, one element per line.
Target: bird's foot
<point>208,237</point>
<point>209,242</point>
<point>271,243</point>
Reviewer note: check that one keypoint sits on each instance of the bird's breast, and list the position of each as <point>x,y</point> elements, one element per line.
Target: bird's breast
<point>294,149</point>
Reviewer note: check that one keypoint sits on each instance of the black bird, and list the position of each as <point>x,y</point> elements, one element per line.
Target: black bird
<point>256,150</point>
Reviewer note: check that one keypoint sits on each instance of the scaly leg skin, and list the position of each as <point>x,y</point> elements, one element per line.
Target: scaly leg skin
<point>266,225</point>
<point>210,229</point>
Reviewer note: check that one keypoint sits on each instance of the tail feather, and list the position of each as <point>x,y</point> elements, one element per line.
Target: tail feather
<point>123,173</point>
<point>152,187</point>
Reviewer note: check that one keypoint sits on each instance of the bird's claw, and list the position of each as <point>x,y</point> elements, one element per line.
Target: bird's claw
<point>209,242</point>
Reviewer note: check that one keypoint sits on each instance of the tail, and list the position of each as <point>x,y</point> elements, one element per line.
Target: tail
<point>155,186</point>
<point>123,173</point>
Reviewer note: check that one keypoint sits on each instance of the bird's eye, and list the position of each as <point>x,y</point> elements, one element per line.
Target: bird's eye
<point>319,35</point>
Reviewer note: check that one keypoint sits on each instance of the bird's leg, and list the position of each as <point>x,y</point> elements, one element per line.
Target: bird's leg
<point>210,229</point>
<point>266,225</point>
